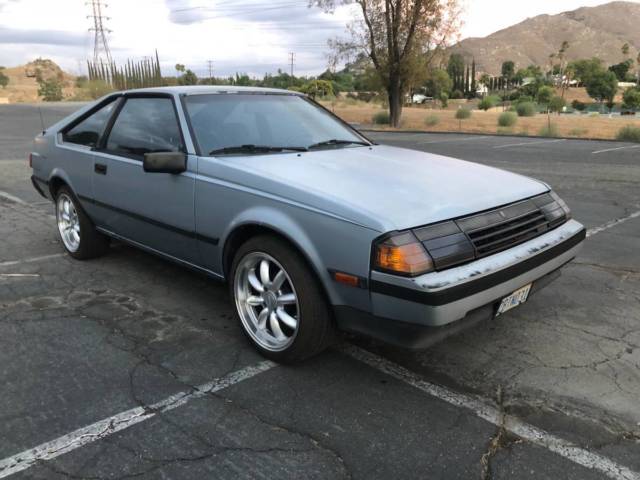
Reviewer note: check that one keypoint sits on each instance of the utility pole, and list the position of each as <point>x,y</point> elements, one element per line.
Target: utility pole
<point>210,65</point>
<point>101,52</point>
<point>292,61</point>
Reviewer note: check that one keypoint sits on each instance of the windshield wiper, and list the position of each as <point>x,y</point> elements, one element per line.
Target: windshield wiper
<point>250,148</point>
<point>335,141</point>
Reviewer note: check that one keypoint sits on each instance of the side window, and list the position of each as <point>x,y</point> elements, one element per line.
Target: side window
<point>88,131</point>
<point>146,125</point>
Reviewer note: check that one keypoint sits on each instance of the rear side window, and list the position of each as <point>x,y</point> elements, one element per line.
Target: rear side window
<point>146,125</point>
<point>89,130</point>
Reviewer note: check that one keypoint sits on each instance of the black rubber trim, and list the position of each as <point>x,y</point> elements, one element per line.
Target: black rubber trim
<point>442,297</point>
<point>35,180</point>
<point>151,221</point>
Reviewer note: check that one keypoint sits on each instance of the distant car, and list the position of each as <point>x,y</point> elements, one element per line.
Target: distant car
<point>420,98</point>
<point>315,228</point>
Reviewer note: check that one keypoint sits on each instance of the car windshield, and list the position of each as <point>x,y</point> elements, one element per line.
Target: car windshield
<point>227,124</point>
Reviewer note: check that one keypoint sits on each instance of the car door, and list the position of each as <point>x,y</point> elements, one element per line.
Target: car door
<point>154,210</point>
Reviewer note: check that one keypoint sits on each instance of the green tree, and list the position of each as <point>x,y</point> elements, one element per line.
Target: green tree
<point>625,49</point>
<point>545,93</point>
<point>401,38</point>
<point>631,98</point>
<point>586,68</point>
<point>180,67</point>
<point>508,71</point>
<point>602,86</point>
<point>50,90</point>
<point>4,80</point>
<point>621,69</point>
<point>188,78</point>
<point>455,70</point>
<point>438,81</point>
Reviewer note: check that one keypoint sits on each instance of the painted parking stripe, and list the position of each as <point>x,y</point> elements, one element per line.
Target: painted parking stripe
<point>612,223</point>
<point>116,423</point>
<point>475,137</point>
<point>492,415</point>
<point>12,198</point>
<point>42,258</point>
<point>614,149</point>
<point>530,143</point>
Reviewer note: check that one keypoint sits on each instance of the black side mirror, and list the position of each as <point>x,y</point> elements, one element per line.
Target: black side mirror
<point>165,162</point>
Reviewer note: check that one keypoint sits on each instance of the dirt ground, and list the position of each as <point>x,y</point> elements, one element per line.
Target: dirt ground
<point>416,118</point>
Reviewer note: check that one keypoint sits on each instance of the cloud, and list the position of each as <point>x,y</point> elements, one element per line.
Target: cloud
<point>41,37</point>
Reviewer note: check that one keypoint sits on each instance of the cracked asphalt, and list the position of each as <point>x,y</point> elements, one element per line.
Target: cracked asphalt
<point>83,341</point>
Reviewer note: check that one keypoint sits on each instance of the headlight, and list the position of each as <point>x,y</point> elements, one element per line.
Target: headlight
<point>401,254</point>
<point>560,202</point>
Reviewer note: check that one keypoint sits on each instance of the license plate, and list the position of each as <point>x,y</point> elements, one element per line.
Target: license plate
<point>516,298</point>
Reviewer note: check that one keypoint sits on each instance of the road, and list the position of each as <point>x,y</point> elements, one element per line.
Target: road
<point>131,366</point>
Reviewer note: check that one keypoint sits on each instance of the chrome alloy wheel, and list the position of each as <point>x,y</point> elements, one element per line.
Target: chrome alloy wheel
<point>266,301</point>
<point>68,222</point>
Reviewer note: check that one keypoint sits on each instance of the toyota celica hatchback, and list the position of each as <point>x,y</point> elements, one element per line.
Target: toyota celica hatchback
<point>314,227</point>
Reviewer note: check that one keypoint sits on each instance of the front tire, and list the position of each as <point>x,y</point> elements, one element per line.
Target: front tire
<point>279,301</point>
<point>79,236</point>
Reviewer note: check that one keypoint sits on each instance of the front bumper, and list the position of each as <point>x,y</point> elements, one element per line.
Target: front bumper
<point>464,295</point>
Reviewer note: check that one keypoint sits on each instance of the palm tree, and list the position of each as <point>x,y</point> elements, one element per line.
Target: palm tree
<point>563,48</point>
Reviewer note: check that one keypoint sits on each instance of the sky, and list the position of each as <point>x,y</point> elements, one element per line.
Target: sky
<point>247,36</point>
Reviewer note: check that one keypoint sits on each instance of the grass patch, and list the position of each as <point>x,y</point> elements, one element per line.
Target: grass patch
<point>504,131</point>
<point>578,132</point>
<point>463,113</point>
<point>381,118</point>
<point>629,133</point>
<point>432,120</point>
<point>550,130</point>
<point>507,119</point>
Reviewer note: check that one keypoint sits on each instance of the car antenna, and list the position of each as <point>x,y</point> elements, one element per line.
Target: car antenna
<point>41,120</point>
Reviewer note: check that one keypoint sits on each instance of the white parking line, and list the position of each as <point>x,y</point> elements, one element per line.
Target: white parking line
<point>530,143</point>
<point>10,263</point>
<point>612,223</point>
<point>12,198</point>
<point>121,421</point>
<point>475,137</point>
<point>493,415</point>
<point>614,149</point>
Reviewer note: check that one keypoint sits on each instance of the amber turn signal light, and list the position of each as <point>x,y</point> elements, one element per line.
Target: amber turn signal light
<point>402,254</point>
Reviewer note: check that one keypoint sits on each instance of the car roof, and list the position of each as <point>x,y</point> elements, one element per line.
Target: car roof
<point>204,89</point>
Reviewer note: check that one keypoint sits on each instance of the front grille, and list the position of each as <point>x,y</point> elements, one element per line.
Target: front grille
<point>496,230</point>
<point>463,240</point>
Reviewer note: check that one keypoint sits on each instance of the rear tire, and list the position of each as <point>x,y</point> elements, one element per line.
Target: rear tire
<point>79,236</point>
<point>281,306</point>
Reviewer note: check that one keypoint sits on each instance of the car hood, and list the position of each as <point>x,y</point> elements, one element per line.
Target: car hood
<point>389,188</point>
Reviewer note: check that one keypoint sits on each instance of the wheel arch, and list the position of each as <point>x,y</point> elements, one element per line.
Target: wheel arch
<point>295,237</point>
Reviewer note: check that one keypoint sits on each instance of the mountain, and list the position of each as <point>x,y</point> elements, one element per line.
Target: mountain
<point>591,32</point>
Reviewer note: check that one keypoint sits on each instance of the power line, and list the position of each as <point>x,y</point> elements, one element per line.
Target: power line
<point>210,65</point>
<point>100,45</point>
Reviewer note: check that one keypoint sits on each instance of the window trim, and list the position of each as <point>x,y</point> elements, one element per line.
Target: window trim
<point>93,110</point>
<point>102,144</point>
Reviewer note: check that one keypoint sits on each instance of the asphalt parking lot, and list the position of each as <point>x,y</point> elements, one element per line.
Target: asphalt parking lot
<point>129,366</point>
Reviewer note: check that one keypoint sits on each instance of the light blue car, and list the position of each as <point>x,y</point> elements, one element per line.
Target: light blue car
<point>315,228</point>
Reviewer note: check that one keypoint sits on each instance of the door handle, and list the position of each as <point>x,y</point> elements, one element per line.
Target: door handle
<point>100,168</point>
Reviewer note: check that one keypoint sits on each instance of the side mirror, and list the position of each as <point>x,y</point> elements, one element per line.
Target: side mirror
<point>165,162</point>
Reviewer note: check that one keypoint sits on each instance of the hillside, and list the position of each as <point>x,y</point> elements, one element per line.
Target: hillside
<point>23,86</point>
<point>591,31</point>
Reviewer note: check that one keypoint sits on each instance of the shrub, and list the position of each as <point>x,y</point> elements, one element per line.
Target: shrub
<point>526,109</point>
<point>488,102</point>
<point>631,98</point>
<point>50,90</point>
<point>463,113</point>
<point>550,130</point>
<point>507,119</point>
<point>381,118</point>
<point>629,133</point>
<point>432,120</point>
<point>578,105</point>
<point>525,98</point>
<point>444,99</point>
<point>545,93</point>
<point>557,104</point>
<point>456,95</point>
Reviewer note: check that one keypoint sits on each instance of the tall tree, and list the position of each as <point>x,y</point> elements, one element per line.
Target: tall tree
<point>455,69</point>
<point>508,71</point>
<point>401,37</point>
<point>625,49</point>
